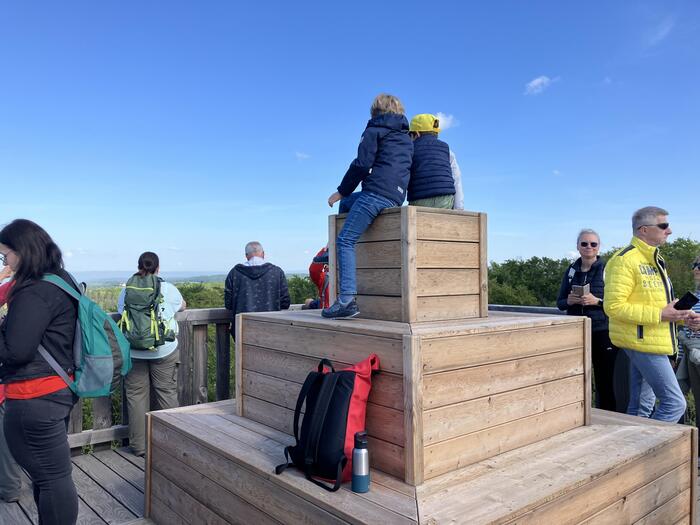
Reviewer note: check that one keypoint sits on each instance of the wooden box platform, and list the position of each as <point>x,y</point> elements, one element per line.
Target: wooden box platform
<point>419,264</point>
<point>450,393</point>
<point>207,465</point>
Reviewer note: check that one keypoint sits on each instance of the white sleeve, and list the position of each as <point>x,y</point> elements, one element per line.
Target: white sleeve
<point>173,297</point>
<point>120,300</point>
<point>457,177</point>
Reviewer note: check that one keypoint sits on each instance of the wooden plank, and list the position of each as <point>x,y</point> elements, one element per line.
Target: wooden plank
<point>448,353</point>
<point>441,424</point>
<point>131,458</point>
<point>386,227</point>
<point>413,410</point>
<point>99,500</point>
<point>101,412</point>
<point>440,254</point>
<point>525,479</point>
<point>207,493</point>
<point>445,388</point>
<point>483,266</point>
<point>379,281</point>
<point>447,307</point>
<point>409,307</point>
<point>313,342</point>
<point>199,364</point>
<point>148,471</point>
<point>223,361</point>
<point>333,258</point>
<point>447,281</point>
<point>694,473</point>
<point>447,226</point>
<point>587,371</point>
<point>246,472</point>
<point>645,499</point>
<point>380,307</point>
<point>12,513</point>
<point>241,332</point>
<point>26,498</point>
<point>185,394</point>
<point>465,450</point>
<point>162,513</point>
<point>181,503</point>
<point>92,437</point>
<point>380,254</point>
<point>122,467</point>
<point>386,492</point>
<point>124,493</point>
<point>387,388</point>
<point>381,422</point>
<point>670,512</point>
<point>75,423</point>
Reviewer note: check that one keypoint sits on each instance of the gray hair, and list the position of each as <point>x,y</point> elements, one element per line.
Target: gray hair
<point>643,216</point>
<point>253,248</point>
<point>586,231</point>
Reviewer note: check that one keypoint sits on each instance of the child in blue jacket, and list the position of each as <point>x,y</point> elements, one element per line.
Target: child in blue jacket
<point>383,166</point>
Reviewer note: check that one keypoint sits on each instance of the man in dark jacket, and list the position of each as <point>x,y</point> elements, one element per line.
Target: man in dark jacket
<point>255,285</point>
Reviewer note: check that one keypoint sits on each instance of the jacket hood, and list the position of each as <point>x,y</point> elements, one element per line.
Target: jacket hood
<point>389,120</point>
<point>576,265</point>
<point>254,272</point>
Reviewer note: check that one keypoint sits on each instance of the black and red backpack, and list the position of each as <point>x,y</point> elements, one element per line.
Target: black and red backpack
<point>336,404</point>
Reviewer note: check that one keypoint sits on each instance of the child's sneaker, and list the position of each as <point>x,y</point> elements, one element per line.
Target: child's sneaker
<point>339,310</point>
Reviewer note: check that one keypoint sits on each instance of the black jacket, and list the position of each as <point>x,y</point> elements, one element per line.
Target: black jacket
<point>383,162</point>
<point>256,289</point>
<point>38,313</point>
<point>594,277</point>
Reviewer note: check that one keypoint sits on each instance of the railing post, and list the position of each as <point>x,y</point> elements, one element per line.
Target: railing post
<point>223,361</point>
<point>199,364</point>
<point>184,378</point>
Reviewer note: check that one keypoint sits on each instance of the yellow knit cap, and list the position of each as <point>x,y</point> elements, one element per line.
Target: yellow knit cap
<point>425,122</point>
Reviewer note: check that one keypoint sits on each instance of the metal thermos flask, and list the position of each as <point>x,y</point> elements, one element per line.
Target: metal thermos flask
<point>360,463</point>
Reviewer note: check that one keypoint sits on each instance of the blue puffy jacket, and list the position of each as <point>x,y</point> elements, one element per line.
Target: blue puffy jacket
<point>431,173</point>
<point>594,277</point>
<point>383,160</point>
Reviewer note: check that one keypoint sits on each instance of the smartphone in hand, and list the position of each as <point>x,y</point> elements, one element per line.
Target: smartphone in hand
<point>686,302</point>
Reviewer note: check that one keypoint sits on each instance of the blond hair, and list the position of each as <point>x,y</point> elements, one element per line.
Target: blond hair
<point>386,104</point>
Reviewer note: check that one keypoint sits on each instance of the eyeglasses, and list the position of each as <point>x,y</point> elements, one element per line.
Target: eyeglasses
<point>695,266</point>
<point>660,226</point>
<point>585,244</point>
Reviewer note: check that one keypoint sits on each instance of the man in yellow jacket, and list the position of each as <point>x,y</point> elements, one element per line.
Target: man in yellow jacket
<point>639,301</point>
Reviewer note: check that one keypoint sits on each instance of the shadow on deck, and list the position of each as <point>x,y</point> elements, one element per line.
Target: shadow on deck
<point>110,487</point>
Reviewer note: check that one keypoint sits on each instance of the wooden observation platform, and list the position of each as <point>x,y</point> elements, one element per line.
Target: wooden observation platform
<point>474,418</point>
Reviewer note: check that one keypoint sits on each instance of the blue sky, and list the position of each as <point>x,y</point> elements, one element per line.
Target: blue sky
<point>189,128</point>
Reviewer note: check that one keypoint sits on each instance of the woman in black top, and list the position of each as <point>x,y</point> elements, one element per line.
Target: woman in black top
<point>588,270</point>
<point>38,402</point>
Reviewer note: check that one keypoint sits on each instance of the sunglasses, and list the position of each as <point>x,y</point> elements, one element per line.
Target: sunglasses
<point>660,226</point>
<point>696,266</point>
<point>585,244</point>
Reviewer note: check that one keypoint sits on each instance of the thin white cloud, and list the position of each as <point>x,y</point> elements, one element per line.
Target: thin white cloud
<point>661,31</point>
<point>607,81</point>
<point>556,173</point>
<point>539,84</point>
<point>447,121</point>
<point>68,254</point>
<point>302,156</point>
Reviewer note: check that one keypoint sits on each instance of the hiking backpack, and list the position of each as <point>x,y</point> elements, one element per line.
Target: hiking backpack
<point>142,321</point>
<point>336,404</point>
<point>101,354</point>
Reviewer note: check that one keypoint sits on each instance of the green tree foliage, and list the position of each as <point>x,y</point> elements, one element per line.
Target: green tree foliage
<point>301,288</point>
<point>202,295</point>
<point>536,281</point>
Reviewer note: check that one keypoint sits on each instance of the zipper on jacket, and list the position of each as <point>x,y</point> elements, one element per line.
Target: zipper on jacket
<point>669,296</point>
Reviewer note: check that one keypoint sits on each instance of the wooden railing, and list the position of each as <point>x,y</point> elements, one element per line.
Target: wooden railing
<point>110,419</point>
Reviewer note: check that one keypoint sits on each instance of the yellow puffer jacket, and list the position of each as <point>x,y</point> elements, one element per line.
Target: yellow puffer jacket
<point>637,288</point>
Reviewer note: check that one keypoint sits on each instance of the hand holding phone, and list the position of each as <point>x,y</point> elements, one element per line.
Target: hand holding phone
<point>686,302</point>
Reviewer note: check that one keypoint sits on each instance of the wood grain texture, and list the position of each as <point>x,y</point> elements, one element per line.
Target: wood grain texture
<point>409,306</point>
<point>413,410</point>
<point>440,254</point>
<point>447,226</point>
<point>483,266</point>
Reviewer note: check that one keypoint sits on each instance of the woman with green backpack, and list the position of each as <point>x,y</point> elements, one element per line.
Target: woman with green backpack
<point>148,305</point>
<point>39,401</point>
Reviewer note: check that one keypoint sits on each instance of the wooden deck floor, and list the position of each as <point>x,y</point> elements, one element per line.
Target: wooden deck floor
<point>110,486</point>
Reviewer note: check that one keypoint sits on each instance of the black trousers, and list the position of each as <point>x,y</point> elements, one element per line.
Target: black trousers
<point>604,357</point>
<point>37,435</point>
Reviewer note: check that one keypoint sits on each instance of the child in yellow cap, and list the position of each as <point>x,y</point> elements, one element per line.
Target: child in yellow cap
<point>436,180</point>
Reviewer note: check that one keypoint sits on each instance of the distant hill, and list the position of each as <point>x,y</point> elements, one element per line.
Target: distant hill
<point>115,278</point>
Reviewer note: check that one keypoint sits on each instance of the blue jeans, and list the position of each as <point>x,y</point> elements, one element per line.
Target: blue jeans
<point>651,377</point>
<point>362,207</point>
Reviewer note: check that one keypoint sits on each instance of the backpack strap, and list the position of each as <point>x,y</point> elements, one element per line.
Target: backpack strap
<point>56,367</point>
<point>63,285</point>
<point>323,401</point>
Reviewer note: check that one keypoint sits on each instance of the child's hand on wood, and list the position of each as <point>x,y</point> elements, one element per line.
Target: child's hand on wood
<point>334,198</point>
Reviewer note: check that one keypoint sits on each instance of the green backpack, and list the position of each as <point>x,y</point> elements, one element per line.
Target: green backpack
<point>101,353</point>
<point>141,319</point>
